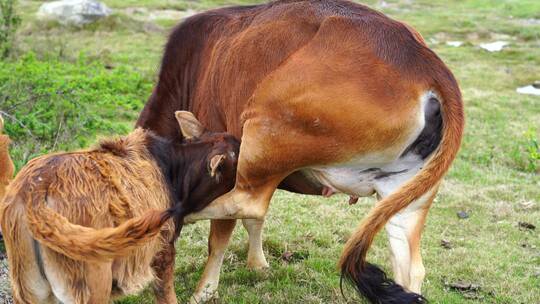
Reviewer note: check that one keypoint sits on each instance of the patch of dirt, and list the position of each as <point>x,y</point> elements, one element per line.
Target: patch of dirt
<point>525,225</point>
<point>292,257</point>
<point>446,244</point>
<point>502,210</point>
<point>526,205</point>
<point>466,289</point>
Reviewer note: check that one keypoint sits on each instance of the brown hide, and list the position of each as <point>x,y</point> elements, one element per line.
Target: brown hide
<point>214,61</point>
<point>230,51</point>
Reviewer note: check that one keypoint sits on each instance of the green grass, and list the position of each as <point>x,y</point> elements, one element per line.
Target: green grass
<point>58,105</point>
<point>496,173</point>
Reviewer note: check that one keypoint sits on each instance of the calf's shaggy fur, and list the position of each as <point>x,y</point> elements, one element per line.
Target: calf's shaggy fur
<point>82,227</point>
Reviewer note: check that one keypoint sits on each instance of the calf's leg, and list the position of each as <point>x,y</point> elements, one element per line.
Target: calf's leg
<point>28,284</point>
<point>99,280</point>
<point>163,265</point>
<point>75,281</point>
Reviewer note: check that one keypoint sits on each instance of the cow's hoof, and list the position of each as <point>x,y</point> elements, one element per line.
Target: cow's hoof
<point>258,264</point>
<point>205,296</point>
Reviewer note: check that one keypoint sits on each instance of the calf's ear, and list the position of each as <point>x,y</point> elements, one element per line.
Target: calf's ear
<point>1,123</point>
<point>189,125</point>
<point>215,162</point>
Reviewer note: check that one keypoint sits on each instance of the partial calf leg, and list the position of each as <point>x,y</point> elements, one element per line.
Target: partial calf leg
<point>28,285</point>
<point>75,281</point>
<point>163,265</point>
<point>220,234</point>
<point>99,281</point>
<point>256,259</point>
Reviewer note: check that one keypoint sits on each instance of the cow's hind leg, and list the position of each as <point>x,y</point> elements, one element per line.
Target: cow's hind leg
<point>404,232</point>
<point>256,259</point>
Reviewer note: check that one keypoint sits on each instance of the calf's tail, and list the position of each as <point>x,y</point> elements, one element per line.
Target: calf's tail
<point>55,231</point>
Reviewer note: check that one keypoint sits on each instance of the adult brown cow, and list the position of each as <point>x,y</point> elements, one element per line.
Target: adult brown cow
<point>327,96</point>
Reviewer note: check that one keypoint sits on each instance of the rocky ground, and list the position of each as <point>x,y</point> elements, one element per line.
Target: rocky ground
<point>5,297</point>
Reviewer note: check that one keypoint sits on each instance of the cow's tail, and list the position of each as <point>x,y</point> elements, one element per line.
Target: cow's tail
<point>77,242</point>
<point>369,280</point>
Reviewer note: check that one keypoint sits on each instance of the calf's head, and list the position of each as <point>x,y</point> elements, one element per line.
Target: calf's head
<point>200,168</point>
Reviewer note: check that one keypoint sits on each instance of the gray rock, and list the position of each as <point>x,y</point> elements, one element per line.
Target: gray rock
<point>73,12</point>
<point>463,215</point>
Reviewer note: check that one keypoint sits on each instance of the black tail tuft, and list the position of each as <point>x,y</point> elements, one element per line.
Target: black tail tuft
<point>374,285</point>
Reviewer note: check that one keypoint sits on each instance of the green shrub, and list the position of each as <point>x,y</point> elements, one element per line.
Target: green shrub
<point>53,105</point>
<point>9,22</point>
<point>526,152</point>
<point>532,150</point>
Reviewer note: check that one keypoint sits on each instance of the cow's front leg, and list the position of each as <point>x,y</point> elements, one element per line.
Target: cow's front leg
<point>237,204</point>
<point>163,265</point>
<point>256,259</point>
<point>220,234</point>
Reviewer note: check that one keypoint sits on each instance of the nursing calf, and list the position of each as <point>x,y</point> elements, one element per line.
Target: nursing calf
<point>87,226</point>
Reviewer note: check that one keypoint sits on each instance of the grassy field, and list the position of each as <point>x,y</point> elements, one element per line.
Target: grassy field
<point>495,178</point>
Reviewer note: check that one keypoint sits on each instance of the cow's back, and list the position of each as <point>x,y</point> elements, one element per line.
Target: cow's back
<point>214,61</point>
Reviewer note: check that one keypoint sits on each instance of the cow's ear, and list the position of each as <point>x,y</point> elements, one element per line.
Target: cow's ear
<point>1,123</point>
<point>189,125</point>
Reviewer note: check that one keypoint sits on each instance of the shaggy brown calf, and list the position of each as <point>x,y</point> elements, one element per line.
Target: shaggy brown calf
<point>80,227</point>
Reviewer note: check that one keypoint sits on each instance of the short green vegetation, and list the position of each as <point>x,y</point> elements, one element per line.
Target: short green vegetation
<point>61,87</point>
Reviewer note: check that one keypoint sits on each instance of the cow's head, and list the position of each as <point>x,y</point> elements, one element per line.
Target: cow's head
<point>206,165</point>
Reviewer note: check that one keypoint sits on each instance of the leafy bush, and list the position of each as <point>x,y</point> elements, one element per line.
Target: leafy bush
<point>53,105</point>
<point>9,22</point>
